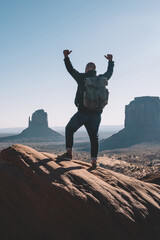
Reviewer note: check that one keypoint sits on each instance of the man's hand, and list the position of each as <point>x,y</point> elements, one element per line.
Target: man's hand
<point>109,57</point>
<point>66,53</point>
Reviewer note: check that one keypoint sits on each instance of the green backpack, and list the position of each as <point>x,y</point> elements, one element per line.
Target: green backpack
<point>95,94</point>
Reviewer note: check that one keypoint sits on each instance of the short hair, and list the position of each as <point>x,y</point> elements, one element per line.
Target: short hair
<point>91,65</point>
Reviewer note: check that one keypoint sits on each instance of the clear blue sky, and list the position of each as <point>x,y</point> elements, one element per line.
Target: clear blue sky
<point>33,34</point>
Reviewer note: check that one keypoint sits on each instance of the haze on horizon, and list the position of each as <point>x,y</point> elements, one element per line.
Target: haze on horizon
<point>34,35</point>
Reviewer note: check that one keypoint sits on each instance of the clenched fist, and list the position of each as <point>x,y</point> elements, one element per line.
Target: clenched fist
<point>66,53</point>
<point>109,57</point>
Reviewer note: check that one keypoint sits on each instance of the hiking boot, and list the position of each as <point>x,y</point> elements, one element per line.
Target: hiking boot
<point>65,156</point>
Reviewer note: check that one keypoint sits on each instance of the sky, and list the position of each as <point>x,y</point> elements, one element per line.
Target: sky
<point>33,35</point>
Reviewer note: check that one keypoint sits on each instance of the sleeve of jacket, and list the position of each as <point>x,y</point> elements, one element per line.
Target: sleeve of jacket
<point>109,71</point>
<point>73,72</point>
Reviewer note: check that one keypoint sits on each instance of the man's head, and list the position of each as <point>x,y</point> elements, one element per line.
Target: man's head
<point>90,66</point>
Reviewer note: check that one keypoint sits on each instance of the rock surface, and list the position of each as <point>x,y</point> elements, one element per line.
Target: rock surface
<point>142,124</point>
<point>37,130</point>
<point>44,198</point>
<point>152,178</point>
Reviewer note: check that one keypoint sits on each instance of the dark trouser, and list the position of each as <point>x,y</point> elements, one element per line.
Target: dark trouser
<point>91,123</point>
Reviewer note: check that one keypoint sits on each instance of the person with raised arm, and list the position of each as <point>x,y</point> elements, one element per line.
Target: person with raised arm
<point>90,101</point>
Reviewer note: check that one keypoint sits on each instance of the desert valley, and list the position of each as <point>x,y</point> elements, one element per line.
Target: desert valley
<point>42,196</point>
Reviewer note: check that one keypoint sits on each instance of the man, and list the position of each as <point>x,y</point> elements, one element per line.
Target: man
<point>90,119</point>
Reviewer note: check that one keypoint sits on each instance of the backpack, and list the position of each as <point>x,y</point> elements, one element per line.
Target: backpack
<point>95,94</point>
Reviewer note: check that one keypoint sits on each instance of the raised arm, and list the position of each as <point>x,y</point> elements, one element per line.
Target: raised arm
<point>109,71</point>
<point>74,73</point>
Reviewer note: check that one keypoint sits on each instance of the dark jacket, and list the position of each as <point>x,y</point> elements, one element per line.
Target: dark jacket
<point>79,77</point>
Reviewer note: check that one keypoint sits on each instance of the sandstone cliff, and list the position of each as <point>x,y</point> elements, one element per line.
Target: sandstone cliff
<point>142,124</point>
<point>143,112</point>
<point>37,131</point>
<point>43,198</point>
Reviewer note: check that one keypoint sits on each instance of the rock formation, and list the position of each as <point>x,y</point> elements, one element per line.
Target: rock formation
<point>37,130</point>
<point>43,198</point>
<point>142,124</point>
<point>39,119</point>
<point>143,112</point>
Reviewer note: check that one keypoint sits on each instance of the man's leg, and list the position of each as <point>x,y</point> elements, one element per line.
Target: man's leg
<point>74,124</point>
<point>92,127</point>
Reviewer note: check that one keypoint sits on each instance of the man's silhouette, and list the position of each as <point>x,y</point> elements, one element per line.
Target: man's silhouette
<point>90,119</point>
